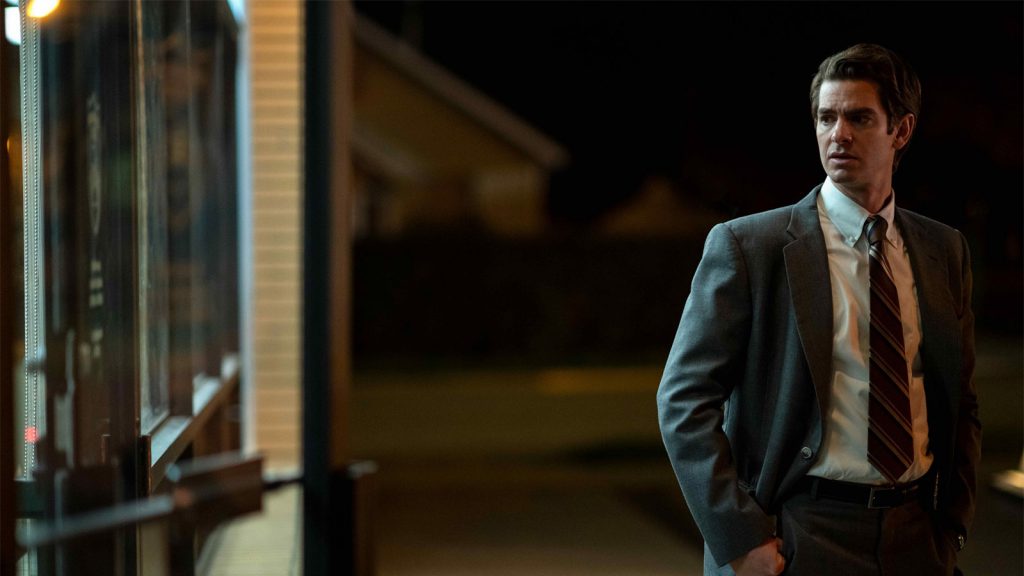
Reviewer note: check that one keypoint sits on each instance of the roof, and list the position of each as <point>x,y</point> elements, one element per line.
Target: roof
<point>460,94</point>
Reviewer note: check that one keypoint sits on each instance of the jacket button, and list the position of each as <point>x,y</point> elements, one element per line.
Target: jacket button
<point>806,453</point>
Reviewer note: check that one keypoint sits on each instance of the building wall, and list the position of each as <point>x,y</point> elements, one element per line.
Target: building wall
<point>431,165</point>
<point>276,88</point>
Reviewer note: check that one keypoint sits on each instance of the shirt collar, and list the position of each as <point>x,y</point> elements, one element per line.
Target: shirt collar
<point>848,217</point>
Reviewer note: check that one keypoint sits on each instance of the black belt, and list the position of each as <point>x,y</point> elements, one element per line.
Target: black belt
<point>864,494</point>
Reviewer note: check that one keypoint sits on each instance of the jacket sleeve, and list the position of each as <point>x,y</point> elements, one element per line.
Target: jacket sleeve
<point>706,362</point>
<point>967,442</point>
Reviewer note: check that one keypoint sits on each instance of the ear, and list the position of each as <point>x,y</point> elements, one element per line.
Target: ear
<point>904,130</point>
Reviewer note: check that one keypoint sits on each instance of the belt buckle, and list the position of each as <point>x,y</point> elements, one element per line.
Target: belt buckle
<point>878,491</point>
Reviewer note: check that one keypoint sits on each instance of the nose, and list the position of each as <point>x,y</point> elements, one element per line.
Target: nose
<point>841,134</point>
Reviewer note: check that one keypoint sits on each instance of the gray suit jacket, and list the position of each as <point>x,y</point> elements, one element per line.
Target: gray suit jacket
<point>749,374</point>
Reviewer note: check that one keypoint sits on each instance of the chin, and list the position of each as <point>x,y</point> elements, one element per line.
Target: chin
<point>839,176</point>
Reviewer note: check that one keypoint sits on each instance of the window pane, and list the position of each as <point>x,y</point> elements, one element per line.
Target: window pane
<point>153,152</point>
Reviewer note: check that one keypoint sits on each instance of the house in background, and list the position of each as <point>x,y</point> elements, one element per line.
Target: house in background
<point>432,153</point>
<point>659,209</point>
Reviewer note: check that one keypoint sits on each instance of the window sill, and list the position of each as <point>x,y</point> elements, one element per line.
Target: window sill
<point>170,440</point>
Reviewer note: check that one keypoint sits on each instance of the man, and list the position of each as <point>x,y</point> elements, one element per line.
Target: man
<point>818,404</point>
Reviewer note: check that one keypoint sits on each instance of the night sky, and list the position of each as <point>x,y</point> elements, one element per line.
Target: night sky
<point>714,95</point>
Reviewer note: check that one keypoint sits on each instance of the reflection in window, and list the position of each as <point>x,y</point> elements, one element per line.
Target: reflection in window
<point>214,186</point>
<point>187,203</point>
<point>128,260</point>
<point>154,155</point>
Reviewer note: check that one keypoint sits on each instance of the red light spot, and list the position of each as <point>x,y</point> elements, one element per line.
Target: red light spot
<point>31,435</point>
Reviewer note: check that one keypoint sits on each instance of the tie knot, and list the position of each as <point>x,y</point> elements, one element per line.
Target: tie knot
<point>876,229</point>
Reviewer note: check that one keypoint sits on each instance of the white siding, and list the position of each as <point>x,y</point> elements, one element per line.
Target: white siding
<point>276,43</point>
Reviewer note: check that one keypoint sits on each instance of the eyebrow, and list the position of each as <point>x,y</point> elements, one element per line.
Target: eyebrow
<point>848,113</point>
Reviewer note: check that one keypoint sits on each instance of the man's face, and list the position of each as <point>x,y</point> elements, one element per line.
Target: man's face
<point>854,142</point>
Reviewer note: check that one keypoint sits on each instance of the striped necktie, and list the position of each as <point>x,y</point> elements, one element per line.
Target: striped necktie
<point>890,437</point>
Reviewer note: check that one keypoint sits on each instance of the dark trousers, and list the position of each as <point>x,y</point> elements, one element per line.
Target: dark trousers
<point>823,537</point>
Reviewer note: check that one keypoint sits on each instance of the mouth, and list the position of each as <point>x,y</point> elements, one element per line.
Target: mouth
<point>841,156</point>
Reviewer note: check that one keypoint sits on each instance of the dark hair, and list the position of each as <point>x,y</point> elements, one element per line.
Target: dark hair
<point>898,86</point>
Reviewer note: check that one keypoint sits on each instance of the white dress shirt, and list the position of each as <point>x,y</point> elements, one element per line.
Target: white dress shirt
<point>844,454</point>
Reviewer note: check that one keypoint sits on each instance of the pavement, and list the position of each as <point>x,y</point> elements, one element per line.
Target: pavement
<point>560,471</point>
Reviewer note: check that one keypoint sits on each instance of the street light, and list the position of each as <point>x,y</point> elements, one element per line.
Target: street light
<point>41,8</point>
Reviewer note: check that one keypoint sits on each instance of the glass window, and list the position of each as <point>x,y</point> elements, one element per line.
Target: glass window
<point>124,146</point>
<point>155,49</point>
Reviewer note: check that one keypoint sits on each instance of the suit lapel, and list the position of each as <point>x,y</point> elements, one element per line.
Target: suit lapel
<point>811,290</point>
<point>939,325</point>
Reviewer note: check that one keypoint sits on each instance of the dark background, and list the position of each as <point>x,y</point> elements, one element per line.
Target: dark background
<point>714,97</point>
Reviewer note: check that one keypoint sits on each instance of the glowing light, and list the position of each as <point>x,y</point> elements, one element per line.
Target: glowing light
<point>41,8</point>
<point>12,25</point>
<point>31,435</point>
<point>238,9</point>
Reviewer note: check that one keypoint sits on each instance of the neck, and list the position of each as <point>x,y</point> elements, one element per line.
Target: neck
<point>871,198</point>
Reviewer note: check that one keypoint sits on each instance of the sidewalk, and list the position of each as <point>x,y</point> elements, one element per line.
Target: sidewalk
<point>474,518</point>
<point>562,473</point>
<point>539,472</point>
<point>495,473</point>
